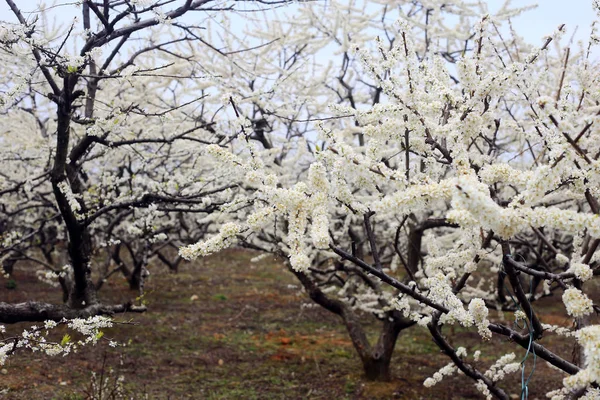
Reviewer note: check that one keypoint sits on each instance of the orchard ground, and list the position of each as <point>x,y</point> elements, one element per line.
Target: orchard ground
<point>227,328</point>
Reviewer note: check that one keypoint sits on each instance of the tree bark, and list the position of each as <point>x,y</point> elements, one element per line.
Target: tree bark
<point>82,293</point>
<point>377,363</point>
<point>8,264</point>
<point>384,349</point>
<point>39,312</point>
<point>377,369</point>
<point>376,359</point>
<point>135,279</point>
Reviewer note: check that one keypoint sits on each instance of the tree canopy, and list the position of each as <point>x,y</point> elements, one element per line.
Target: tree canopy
<point>418,162</point>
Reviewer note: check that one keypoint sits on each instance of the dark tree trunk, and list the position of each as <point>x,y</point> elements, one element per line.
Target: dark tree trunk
<point>415,238</point>
<point>139,258</point>
<point>375,359</point>
<point>500,288</point>
<point>9,264</point>
<point>136,279</point>
<point>133,276</point>
<point>82,292</point>
<point>377,369</point>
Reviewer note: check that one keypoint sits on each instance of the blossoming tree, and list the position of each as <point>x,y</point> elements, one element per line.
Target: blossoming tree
<point>462,179</point>
<point>99,117</point>
<point>435,170</point>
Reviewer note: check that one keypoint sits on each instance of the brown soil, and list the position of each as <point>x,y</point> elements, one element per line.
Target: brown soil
<point>246,336</point>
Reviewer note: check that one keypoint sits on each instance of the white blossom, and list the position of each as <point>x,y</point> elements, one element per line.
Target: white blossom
<point>577,303</point>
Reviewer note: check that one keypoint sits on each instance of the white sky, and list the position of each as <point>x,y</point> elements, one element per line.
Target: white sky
<point>532,25</point>
<point>549,14</point>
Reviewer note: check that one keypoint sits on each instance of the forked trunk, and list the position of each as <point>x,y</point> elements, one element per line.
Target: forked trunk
<point>378,369</point>
<point>375,359</point>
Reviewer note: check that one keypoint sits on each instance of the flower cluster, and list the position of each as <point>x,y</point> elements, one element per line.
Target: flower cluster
<point>37,338</point>
<point>441,292</point>
<point>226,234</point>
<point>583,272</point>
<point>48,277</point>
<point>589,338</point>
<point>502,367</point>
<point>65,189</point>
<point>447,370</point>
<point>479,311</point>
<point>577,303</point>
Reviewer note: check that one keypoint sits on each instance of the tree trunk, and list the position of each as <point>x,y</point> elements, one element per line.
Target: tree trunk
<point>135,279</point>
<point>500,288</point>
<point>140,272</point>
<point>376,363</point>
<point>82,292</point>
<point>133,276</point>
<point>377,369</point>
<point>415,237</point>
<point>375,360</point>
<point>8,264</point>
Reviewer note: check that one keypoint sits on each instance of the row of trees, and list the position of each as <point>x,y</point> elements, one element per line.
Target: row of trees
<point>95,142</point>
<point>413,162</point>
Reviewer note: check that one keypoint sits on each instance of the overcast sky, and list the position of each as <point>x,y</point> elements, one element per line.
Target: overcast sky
<point>533,25</point>
<point>549,14</point>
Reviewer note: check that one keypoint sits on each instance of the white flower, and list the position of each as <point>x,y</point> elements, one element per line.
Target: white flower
<point>482,387</point>
<point>437,377</point>
<point>429,382</point>
<point>589,338</point>
<point>503,366</point>
<point>441,292</point>
<point>320,231</point>
<point>479,311</point>
<point>300,262</point>
<point>158,238</point>
<point>317,178</point>
<point>65,189</point>
<point>95,54</point>
<point>577,303</point>
<point>562,259</point>
<point>73,62</point>
<point>129,71</point>
<point>461,352</point>
<point>230,229</point>
<point>49,277</point>
<point>258,219</point>
<point>36,339</point>
<point>218,242</point>
<point>591,394</point>
<point>581,271</point>
<point>49,324</point>
<point>134,230</point>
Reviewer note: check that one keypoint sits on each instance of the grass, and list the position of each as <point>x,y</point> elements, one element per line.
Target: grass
<point>226,328</point>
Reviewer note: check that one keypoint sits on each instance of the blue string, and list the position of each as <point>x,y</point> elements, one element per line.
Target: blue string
<point>530,348</point>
